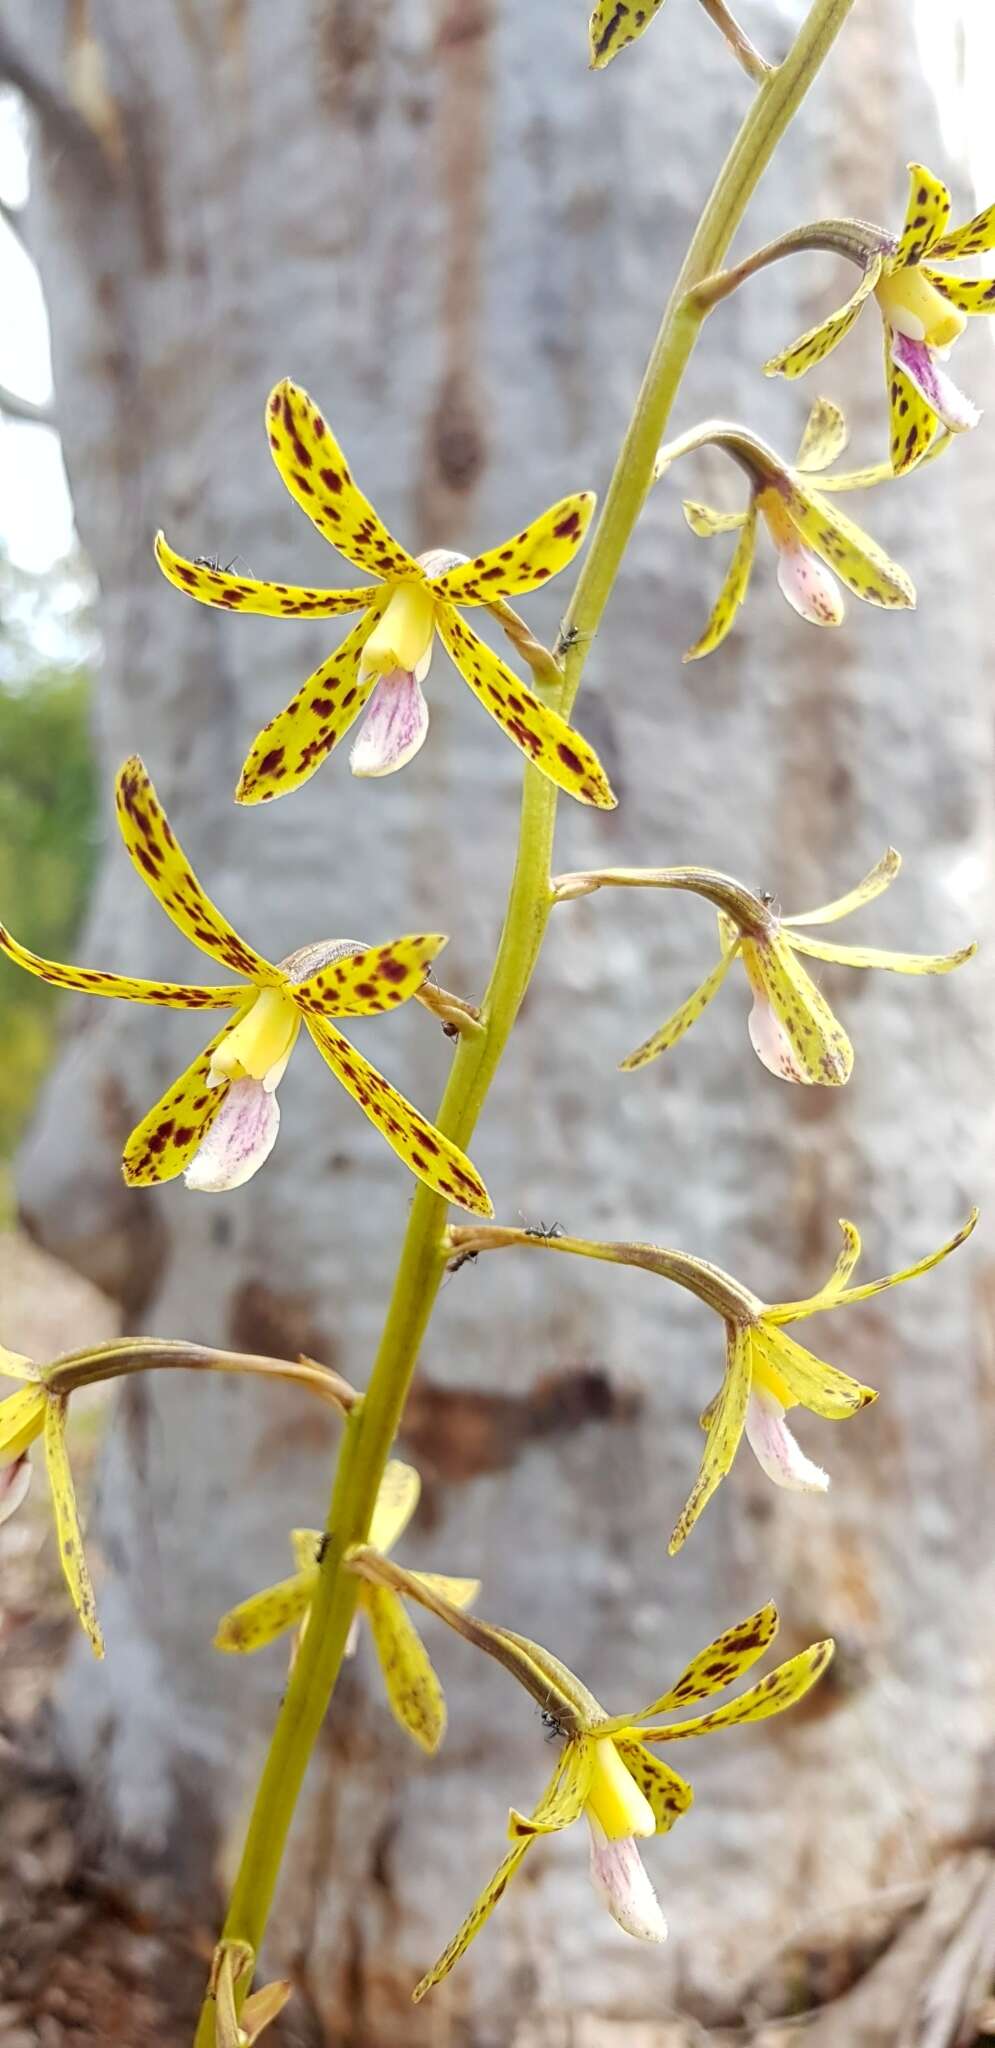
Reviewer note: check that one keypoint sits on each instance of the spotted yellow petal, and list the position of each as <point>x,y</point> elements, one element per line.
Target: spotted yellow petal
<point>725,1427</point>
<point>615,24</point>
<point>881,876</point>
<point>970,294</point>
<point>895,963</point>
<point>413,1690</point>
<point>480,1912</point>
<point>682,1019</point>
<point>524,562</point>
<point>15,1366</point>
<point>913,425</point>
<point>319,714</point>
<point>563,1803</point>
<point>812,1383</point>
<point>925,1265</point>
<point>493,1891</point>
<point>818,342</point>
<point>792,1028</point>
<point>397,1498</point>
<point>166,1139</point>
<point>771,1695</point>
<point>542,735</point>
<point>22,1420</point>
<point>669,1794</point>
<point>706,522</point>
<point>162,864</point>
<point>316,473</point>
<point>264,1616</point>
<point>430,1155</point>
<point>93,981</point>
<point>926,216</point>
<point>247,594</point>
<point>364,984</point>
<point>976,235</point>
<point>827,1296</point>
<point>825,436</point>
<point>854,557</point>
<point>720,1663</point>
<point>733,591</point>
<point>67,1528</point>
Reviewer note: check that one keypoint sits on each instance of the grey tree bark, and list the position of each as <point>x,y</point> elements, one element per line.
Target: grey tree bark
<point>432,216</point>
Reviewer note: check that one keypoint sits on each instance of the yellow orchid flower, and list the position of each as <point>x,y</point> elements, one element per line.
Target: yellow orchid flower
<point>38,1409</point>
<point>34,1411</point>
<point>218,1122</point>
<point>792,1028</point>
<point>605,1770</point>
<point>768,1372</point>
<point>386,657</point>
<point>413,1690</point>
<point>923,309</point>
<point>816,546</point>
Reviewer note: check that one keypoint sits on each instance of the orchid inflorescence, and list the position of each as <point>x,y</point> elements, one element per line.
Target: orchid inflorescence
<point>217,1123</point>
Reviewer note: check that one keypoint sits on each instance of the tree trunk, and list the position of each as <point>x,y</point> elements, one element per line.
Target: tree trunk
<point>437,220</point>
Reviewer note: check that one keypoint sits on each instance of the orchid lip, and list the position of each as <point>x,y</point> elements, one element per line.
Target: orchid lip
<point>395,727</point>
<point>239,1141</point>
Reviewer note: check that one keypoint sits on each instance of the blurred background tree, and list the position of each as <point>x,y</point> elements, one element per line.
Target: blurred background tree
<point>48,809</point>
<point>430,214</point>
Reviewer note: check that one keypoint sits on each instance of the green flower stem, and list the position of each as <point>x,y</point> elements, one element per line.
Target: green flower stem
<point>371,1427</point>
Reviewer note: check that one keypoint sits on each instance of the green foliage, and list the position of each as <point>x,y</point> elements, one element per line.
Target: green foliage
<point>48,828</point>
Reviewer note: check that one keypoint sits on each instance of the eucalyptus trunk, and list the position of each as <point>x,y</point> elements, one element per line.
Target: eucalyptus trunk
<point>433,217</point>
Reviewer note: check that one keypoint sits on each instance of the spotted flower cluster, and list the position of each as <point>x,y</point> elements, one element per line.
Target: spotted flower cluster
<point>218,1122</point>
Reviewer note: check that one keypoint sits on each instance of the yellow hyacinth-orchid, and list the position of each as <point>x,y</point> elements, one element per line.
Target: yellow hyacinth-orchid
<point>923,309</point>
<point>817,547</point>
<point>792,1028</point>
<point>605,1770</point>
<point>413,1691</point>
<point>386,657</point>
<point>37,1410</point>
<point>768,1372</point>
<point>218,1122</point>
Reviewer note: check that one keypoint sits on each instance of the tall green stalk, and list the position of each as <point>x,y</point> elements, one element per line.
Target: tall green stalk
<point>373,1424</point>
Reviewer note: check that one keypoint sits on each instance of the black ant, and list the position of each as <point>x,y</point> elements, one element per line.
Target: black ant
<point>546,1232</point>
<point>568,637</point>
<point>219,567</point>
<point>462,1259</point>
<point>553,1729</point>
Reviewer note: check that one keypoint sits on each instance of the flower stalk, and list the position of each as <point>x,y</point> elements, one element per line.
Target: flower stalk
<point>371,1428</point>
